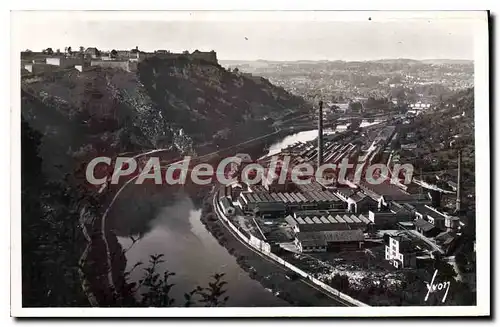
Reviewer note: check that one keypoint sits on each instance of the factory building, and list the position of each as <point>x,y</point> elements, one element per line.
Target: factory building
<point>327,223</point>
<point>329,240</point>
<point>357,202</point>
<point>426,228</point>
<point>389,218</point>
<point>305,200</point>
<point>269,210</point>
<point>435,217</point>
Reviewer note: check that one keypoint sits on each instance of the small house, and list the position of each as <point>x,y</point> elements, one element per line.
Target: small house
<point>400,252</point>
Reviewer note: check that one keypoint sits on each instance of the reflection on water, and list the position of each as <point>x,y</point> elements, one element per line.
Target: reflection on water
<point>175,230</point>
<point>309,136</point>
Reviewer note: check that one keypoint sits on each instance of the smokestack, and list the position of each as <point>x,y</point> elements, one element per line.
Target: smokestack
<point>459,182</point>
<point>320,133</point>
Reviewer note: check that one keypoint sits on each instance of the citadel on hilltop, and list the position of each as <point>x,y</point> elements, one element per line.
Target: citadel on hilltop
<point>48,60</point>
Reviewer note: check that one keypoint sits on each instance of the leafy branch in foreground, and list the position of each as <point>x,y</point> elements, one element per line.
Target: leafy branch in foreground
<point>211,295</point>
<point>156,288</point>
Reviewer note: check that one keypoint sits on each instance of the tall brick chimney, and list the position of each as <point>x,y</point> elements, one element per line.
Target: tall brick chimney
<point>459,183</point>
<point>320,133</point>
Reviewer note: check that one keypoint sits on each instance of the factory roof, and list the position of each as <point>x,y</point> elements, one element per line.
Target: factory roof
<point>326,222</point>
<point>346,191</point>
<point>269,206</point>
<point>357,197</point>
<point>388,191</point>
<point>305,213</point>
<point>297,197</point>
<point>348,219</point>
<point>426,210</point>
<point>322,238</point>
<point>445,238</point>
<point>364,219</point>
<point>424,225</point>
<point>308,220</point>
<point>355,219</point>
<point>340,219</point>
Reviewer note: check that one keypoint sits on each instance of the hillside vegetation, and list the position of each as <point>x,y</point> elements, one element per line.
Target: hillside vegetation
<point>70,117</point>
<point>102,111</point>
<point>440,135</point>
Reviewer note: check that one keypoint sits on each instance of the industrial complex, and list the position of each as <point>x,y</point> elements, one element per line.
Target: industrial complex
<point>405,220</point>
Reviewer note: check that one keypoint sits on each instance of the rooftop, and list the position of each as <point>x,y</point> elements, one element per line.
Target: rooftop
<point>337,236</point>
<point>426,210</point>
<point>303,197</point>
<point>387,190</point>
<point>424,225</point>
<point>270,207</point>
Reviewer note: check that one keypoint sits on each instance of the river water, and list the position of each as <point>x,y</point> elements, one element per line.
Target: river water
<point>168,222</point>
<point>171,225</point>
<point>309,136</point>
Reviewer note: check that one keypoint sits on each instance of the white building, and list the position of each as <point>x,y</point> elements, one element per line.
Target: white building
<point>400,253</point>
<point>63,62</point>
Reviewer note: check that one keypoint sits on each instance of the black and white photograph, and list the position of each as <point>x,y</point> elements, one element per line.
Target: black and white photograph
<point>267,163</point>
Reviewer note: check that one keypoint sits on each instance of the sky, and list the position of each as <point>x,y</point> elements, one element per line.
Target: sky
<point>255,35</point>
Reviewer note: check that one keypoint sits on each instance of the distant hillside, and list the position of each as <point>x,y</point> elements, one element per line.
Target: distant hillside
<point>448,61</point>
<point>406,61</point>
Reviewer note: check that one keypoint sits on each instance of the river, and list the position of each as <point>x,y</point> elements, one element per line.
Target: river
<point>309,136</point>
<point>169,223</point>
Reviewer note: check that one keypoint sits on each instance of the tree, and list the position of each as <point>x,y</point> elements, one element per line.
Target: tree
<point>113,53</point>
<point>156,287</point>
<point>82,49</point>
<point>58,51</point>
<point>51,240</point>
<point>48,51</point>
<point>211,295</point>
<point>69,50</point>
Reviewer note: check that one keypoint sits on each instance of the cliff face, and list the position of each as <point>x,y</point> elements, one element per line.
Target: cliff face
<point>210,102</point>
<point>106,111</point>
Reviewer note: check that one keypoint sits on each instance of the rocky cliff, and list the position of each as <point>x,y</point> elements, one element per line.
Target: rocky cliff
<point>70,117</point>
<point>100,111</point>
